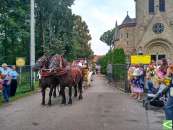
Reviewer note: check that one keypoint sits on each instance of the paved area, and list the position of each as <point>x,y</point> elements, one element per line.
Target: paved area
<point>103,108</point>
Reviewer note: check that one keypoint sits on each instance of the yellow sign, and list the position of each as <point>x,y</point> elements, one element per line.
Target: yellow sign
<point>140,59</point>
<point>20,61</point>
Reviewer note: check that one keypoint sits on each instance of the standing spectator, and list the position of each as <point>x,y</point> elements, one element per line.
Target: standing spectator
<point>6,82</point>
<point>161,72</point>
<point>13,84</point>
<point>138,83</point>
<point>169,104</point>
<point>130,79</point>
<point>109,72</point>
<point>151,83</point>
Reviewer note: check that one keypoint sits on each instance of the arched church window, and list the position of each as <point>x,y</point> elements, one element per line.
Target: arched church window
<point>151,6</point>
<point>162,5</point>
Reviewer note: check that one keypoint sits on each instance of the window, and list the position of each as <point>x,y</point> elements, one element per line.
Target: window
<point>162,5</point>
<point>127,35</point>
<point>160,57</point>
<point>151,6</point>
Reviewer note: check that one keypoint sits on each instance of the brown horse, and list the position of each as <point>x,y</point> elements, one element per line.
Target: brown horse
<point>68,77</point>
<point>47,78</point>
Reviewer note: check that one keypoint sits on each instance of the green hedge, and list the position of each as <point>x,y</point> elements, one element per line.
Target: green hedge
<point>116,56</point>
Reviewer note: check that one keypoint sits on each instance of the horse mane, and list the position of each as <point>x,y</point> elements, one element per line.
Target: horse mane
<point>64,62</point>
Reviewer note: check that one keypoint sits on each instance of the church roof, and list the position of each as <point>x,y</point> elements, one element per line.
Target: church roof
<point>128,22</point>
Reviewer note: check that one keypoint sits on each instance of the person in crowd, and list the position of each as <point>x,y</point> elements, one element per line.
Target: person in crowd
<point>169,105</point>
<point>161,73</point>
<point>151,78</point>
<point>6,82</point>
<point>109,72</point>
<point>130,78</point>
<point>138,83</point>
<point>97,69</point>
<point>13,85</point>
<point>159,62</point>
<point>80,64</point>
<point>1,81</point>
<point>85,72</point>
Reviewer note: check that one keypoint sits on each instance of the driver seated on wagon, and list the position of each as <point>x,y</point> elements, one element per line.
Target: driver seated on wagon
<point>85,71</point>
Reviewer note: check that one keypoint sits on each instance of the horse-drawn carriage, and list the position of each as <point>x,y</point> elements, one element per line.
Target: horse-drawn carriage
<point>55,71</point>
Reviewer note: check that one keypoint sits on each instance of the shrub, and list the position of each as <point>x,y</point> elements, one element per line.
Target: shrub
<point>116,57</point>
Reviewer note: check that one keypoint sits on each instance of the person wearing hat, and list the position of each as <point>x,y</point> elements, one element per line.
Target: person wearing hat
<point>169,105</point>
<point>6,82</point>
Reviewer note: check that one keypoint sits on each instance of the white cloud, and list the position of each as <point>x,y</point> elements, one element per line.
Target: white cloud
<point>101,16</point>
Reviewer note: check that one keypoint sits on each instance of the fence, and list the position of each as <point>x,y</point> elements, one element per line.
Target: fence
<point>25,80</point>
<point>120,76</point>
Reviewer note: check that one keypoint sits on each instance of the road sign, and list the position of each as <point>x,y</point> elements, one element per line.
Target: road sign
<point>20,61</point>
<point>140,59</point>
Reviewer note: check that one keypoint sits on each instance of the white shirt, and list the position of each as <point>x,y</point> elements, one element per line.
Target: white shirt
<point>80,64</point>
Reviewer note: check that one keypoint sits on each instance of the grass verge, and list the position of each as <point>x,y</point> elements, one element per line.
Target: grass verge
<point>22,91</point>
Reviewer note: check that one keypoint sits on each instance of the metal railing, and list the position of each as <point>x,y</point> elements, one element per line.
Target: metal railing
<point>120,76</point>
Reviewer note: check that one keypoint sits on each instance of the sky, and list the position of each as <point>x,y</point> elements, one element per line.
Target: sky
<point>101,16</point>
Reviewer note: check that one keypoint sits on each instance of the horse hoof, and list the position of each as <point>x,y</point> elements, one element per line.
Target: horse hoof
<point>54,96</point>
<point>80,97</point>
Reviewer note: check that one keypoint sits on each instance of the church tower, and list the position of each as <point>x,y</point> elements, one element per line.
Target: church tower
<point>151,30</point>
<point>147,9</point>
<point>154,24</point>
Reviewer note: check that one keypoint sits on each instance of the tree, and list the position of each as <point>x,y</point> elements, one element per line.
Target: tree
<point>54,19</point>
<point>56,30</point>
<point>81,38</point>
<point>13,29</point>
<point>108,37</point>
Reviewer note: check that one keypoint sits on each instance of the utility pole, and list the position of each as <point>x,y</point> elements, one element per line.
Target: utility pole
<point>32,40</point>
